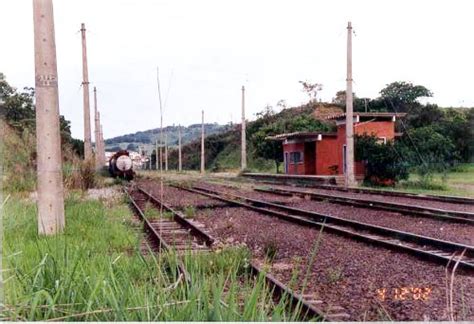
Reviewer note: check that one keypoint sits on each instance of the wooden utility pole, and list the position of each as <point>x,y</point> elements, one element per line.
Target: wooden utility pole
<point>166,151</point>
<point>97,138</point>
<point>180,165</point>
<point>244,140</point>
<point>85,88</point>
<point>48,141</point>
<point>202,145</point>
<point>349,175</point>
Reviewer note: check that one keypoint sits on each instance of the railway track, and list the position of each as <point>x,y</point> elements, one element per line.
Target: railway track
<point>268,178</point>
<point>422,211</point>
<point>176,233</point>
<point>424,247</point>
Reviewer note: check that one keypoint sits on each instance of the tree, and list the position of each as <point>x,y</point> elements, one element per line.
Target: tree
<point>340,98</point>
<point>382,162</point>
<point>268,149</point>
<point>311,89</point>
<point>427,150</point>
<point>402,94</point>
<point>281,104</point>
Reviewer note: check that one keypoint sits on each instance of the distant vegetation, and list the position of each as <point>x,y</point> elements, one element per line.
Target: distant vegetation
<point>223,150</point>
<point>434,139</point>
<point>148,137</point>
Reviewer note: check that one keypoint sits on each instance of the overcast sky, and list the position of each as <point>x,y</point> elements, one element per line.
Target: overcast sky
<point>207,50</point>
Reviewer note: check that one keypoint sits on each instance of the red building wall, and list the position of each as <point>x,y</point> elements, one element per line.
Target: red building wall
<point>326,155</point>
<point>329,150</point>
<point>376,128</point>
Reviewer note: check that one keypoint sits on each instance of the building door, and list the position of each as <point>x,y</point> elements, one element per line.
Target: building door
<point>286,161</point>
<point>310,158</point>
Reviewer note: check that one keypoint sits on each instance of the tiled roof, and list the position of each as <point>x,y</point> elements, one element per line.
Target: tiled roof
<point>368,114</point>
<point>298,134</point>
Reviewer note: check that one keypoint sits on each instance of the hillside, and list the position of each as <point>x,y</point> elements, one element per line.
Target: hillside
<point>147,138</point>
<point>451,126</point>
<point>223,149</point>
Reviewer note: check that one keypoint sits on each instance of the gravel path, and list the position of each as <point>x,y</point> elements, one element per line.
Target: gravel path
<point>344,272</point>
<point>460,233</point>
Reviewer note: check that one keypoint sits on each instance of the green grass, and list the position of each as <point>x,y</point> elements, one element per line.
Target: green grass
<point>95,272</point>
<point>459,182</point>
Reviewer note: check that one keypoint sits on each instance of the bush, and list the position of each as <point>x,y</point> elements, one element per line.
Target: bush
<point>87,173</point>
<point>384,165</point>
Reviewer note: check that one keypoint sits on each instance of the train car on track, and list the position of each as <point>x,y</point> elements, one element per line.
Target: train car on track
<point>121,166</point>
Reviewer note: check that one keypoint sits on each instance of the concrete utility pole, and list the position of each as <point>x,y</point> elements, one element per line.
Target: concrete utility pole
<point>99,143</point>
<point>349,175</point>
<point>202,145</point>
<point>48,141</point>
<point>244,140</point>
<point>180,165</point>
<point>85,88</point>
<point>97,138</point>
<point>166,151</point>
<point>161,117</point>
<point>156,154</point>
<point>102,146</point>
<point>149,161</point>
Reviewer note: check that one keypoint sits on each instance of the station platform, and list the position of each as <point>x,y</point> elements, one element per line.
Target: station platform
<point>295,179</point>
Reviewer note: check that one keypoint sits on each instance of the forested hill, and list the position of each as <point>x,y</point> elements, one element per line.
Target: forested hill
<point>148,137</point>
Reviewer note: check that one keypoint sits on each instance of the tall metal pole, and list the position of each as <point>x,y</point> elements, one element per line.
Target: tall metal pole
<point>48,141</point>
<point>85,88</point>
<point>97,138</point>
<point>180,164</point>
<point>166,151</point>
<point>244,140</point>
<point>202,145</point>
<point>349,175</point>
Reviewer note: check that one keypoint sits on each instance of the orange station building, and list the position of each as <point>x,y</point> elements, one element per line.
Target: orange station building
<point>314,153</point>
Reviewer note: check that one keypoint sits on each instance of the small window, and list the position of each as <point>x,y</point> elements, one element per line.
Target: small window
<point>296,157</point>
<point>382,140</point>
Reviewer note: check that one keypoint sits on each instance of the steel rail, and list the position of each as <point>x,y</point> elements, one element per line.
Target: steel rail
<point>307,310</point>
<point>448,215</point>
<point>156,235</point>
<point>180,218</point>
<point>429,197</point>
<point>422,246</point>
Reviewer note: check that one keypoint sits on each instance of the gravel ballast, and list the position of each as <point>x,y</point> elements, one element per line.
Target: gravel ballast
<point>345,272</point>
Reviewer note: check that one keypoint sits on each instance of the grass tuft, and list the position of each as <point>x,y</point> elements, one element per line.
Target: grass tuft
<point>95,272</point>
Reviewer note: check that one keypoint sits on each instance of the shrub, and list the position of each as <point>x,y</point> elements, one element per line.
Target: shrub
<point>87,174</point>
<point>384,165</point>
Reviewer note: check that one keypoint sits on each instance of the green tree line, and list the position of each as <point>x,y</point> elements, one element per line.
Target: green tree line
<point>18,111</point>
<point>433,138</point>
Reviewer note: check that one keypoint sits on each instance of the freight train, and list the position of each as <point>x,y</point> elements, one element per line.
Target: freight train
<point>121,166</point>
